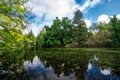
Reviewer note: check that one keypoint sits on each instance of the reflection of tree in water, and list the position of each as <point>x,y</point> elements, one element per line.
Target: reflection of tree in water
<point>71,69</point>
<point>77,63</point>
<point>111,60</point>
<point>35,70</point>
<point>67,64</point>
<point>12,65</point>
<point>116,65</point>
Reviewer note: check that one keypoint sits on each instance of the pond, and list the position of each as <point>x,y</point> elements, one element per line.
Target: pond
<point>60,64</point>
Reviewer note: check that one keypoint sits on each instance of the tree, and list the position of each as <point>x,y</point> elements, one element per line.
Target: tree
<point>12,14</point>
<point>12,20</point>
<point>40,39</point>
<point>31,37</point>
<point>9,41</point>
<point>115,30</point>
<point>67,29</point>
<point>51,38</point>
<point>77,18</point>
<point>100,38</point>
<point>59,34</point>
<point>107,35</point>
<point>81,33</point>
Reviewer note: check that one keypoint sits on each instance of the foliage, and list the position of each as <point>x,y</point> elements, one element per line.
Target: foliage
<point>107,35</point>
<point>59,34</point>
<point>62,33</point>
<point>32,39</point>
<point>17,39</point>
<point>80,30</point>
<point>40,39</point>
<point>13,22</point>
<point>115,23</point>
<point>102,37</point>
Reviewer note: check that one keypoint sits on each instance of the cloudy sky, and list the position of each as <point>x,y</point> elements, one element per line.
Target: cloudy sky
<point>44,11</point>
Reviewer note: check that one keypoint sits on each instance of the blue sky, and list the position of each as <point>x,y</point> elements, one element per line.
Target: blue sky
<point>106,7</point>
<point>43,12</point>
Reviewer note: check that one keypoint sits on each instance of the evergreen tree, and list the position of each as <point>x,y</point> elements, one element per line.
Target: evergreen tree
<point>80,30</point>
<point>115,30</point>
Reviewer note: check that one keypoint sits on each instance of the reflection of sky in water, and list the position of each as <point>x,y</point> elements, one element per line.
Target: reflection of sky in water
<point>35,70</point>
<point>94,73</point>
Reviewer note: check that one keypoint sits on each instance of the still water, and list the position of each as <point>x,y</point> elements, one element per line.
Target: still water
<point>60,64</point>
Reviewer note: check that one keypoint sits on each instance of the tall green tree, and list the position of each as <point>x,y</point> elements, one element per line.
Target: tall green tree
<point>67,30</point>
<point>59,34</point>
<point>81,32</point>
<point>40,39</point>
<point>115,30</point>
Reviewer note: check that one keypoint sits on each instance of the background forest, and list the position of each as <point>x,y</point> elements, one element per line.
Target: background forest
<point>63,32</point>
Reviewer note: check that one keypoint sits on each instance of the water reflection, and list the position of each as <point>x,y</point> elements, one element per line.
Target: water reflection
<point>59,65</point>
<point>35,70</point>
<point>95,73</point>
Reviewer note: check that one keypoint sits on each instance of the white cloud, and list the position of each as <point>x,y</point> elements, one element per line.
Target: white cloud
<point>103,18</point>
<point>89,4</point>
<point>55,8</point>
<point>49,9</point>
<point>88,23</point>
<point>94,2</point>
<point>52,8</point>
<point>36,28</point>
<point>85,5</point>
<point>118,16</point>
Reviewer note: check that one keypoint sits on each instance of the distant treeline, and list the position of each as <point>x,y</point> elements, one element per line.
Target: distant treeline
<point>62,33</point>
<point>74,33</point>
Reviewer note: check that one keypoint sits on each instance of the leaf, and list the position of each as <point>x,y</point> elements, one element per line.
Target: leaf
<point>4,18</point>
<point>20,8</point>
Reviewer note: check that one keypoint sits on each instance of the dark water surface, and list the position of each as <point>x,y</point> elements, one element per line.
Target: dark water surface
<point>60,64</point>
